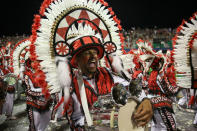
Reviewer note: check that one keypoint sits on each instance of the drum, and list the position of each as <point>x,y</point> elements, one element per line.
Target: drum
<point>125,122</point>
<point>110,116</point>
<point>11,79</point>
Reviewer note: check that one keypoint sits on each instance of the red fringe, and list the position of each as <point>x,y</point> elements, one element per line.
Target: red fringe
<point>103,2</point>
<point>36,23</point>
<point>45,5</point>
<point>40,78</point>
<point>194,36</point>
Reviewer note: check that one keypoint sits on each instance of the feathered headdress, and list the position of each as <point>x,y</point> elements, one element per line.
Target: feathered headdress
<point>185,52</point>
<point>20,54</point>
<point>150,58</point>
<point>61,20</point>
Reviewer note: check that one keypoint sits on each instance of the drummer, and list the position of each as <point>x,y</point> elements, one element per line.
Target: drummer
<point>97,81</point>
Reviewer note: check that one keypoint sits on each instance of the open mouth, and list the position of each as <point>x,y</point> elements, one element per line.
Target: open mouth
<point>92,64</point>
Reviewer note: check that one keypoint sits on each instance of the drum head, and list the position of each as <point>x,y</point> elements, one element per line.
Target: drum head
<point>124,117</point>
<point>10,79</point>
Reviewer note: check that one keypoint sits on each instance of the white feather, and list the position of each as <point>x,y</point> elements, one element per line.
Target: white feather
<point>64,77</point>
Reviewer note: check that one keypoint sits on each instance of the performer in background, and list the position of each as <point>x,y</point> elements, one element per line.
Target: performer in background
<point>11,84</point>
<point>185,43</point>
<point>38,107</point>
<point>159,83</point>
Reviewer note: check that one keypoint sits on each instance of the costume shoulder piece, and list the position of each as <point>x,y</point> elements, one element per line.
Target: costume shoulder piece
<point>185,52</point>
<point>60,20</point>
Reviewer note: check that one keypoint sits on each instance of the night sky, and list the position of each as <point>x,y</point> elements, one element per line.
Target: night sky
<point>17,15</point>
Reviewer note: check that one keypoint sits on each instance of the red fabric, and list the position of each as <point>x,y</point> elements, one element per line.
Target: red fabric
<point>87,40</point>
<point>195,84</point>
<point>155,63</point>
<point>191,101</point>
<point>170,74</point>
<point>77,44</point>
<point>104,84</point>
<point>96,40</point>
<point>136,73</point>
<point>162,104</point>
<point>152,79</point>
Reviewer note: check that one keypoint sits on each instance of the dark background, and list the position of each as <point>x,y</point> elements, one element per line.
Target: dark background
<point>17,15</point>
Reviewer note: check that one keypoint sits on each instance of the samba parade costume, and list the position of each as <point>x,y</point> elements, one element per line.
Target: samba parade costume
<point>63,30</point>
<point>185,42</point>
<point>38,108</point>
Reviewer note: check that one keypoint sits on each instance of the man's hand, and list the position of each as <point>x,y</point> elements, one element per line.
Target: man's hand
<point>143,113</point>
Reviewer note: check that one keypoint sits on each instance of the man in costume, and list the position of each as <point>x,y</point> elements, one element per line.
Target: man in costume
<point>96,81</point>
<point>158,80</point>
<point>67,28</point>
<point>38,108</point>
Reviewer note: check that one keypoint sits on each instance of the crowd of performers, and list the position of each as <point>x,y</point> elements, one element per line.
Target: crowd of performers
<point>75,56</point>
<point>39,110</point>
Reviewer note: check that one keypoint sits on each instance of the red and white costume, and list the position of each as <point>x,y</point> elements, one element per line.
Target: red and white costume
<point>159,83</point>
<point>38,107</point>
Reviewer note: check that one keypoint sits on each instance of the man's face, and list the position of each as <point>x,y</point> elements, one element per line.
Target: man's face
<point>87,61</point>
